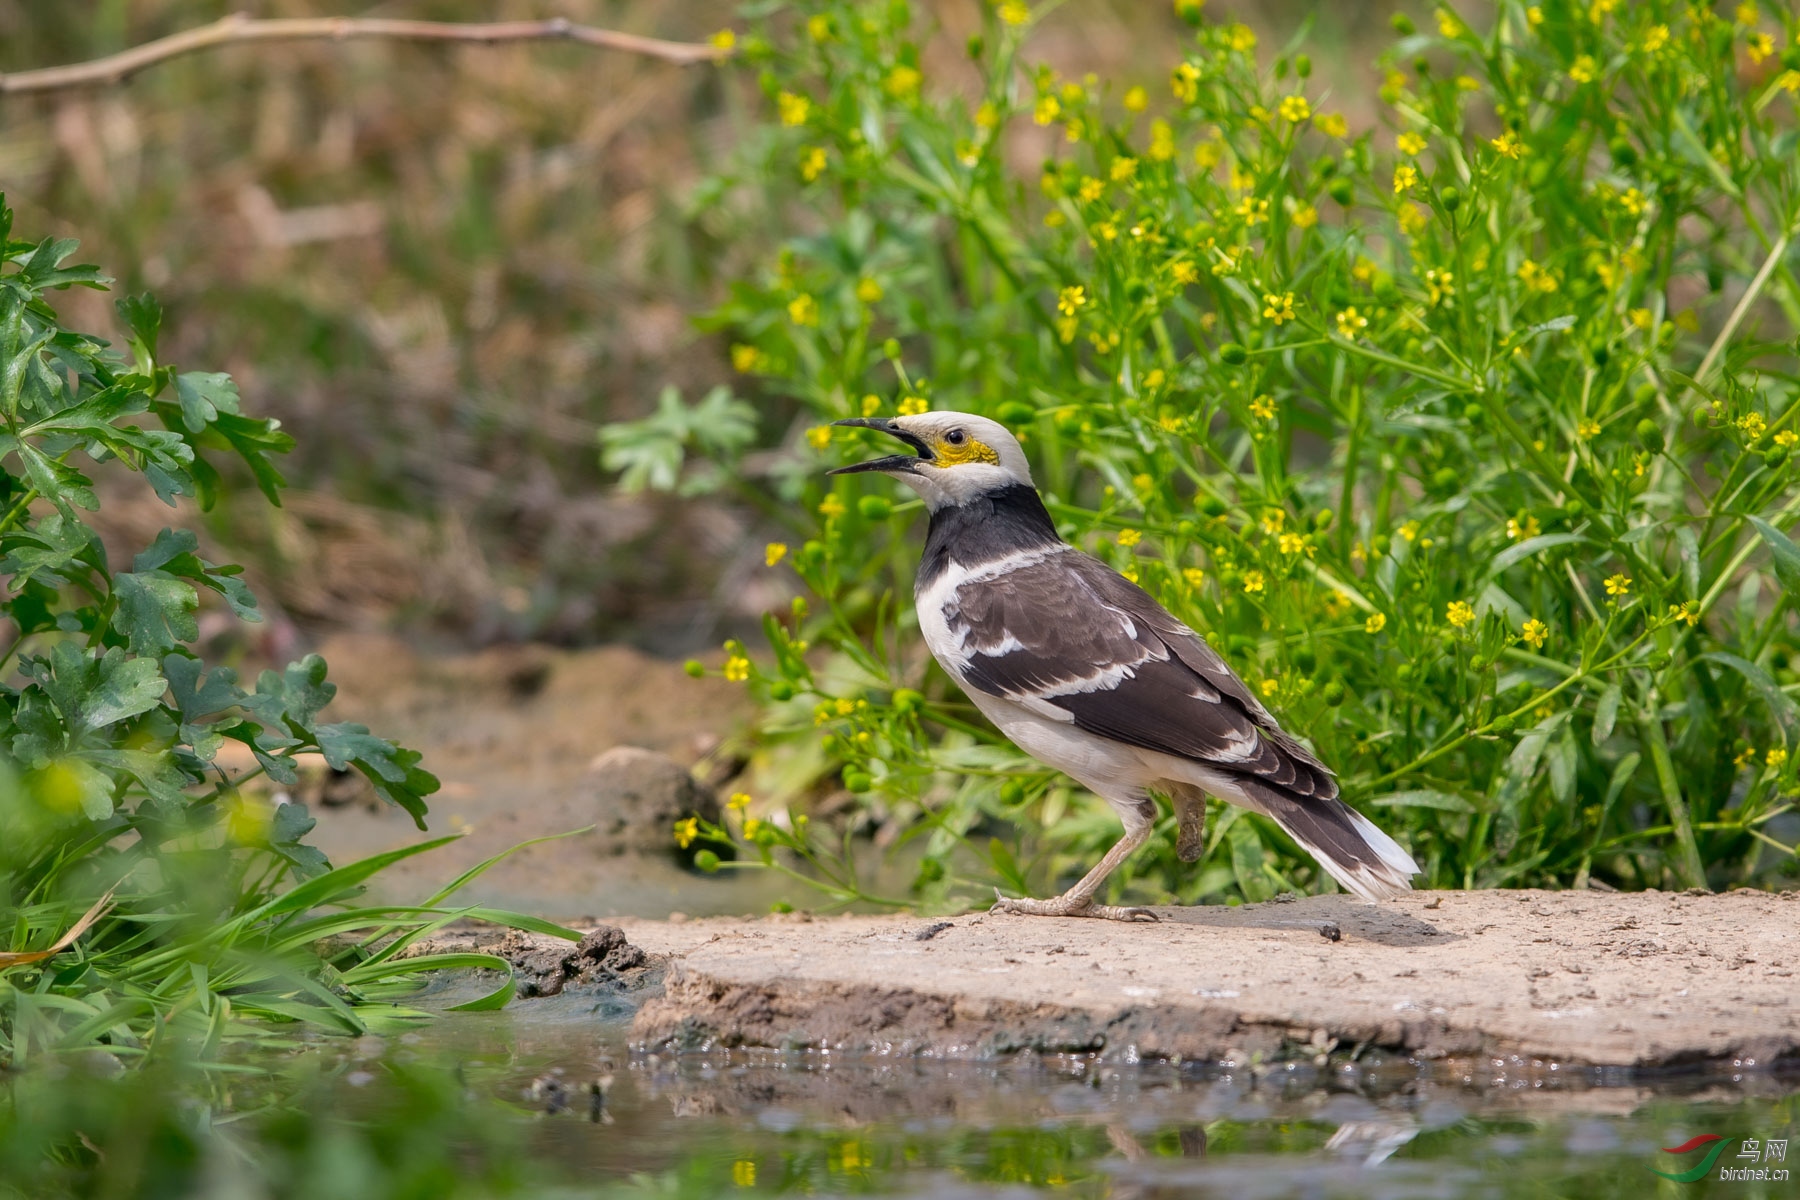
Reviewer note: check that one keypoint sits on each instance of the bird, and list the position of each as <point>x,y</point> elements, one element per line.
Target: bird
<point>1084,671</point>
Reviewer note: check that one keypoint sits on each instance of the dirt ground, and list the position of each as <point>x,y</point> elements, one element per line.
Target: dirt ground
<point>511,731</point>
<point>1567,978</point>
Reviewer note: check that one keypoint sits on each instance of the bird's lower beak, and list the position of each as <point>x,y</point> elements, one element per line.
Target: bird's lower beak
<point>893,464</point>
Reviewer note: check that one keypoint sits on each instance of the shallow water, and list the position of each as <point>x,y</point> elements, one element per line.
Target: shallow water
<point>745,1122</point>
<point>545,1099</point>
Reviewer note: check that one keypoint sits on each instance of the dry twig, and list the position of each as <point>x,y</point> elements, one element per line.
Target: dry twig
<point>239,28</point>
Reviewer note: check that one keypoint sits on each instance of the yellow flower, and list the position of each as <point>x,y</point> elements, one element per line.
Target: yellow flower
<point>1655,38</point>
<point>1751,425</point>
<point>1047,109</point>
<point>686,831</point>
<point>1333,125</point>
<point>739,801</point>
<point>1775,757</point>
<point>1291,543</point>
<point>1747,13</point>
<point>1507,145</point>
<point>737,668</point>
<point>1745,756</point>
<point>1207,155</point>
<point>1263,408</point>
<point>1786,439</point>
<point>1270,687</point>
<point>867,290</point>
<point>1350,323</point>
<point>1759,46</point>
<point>912,406</point>
<point>1184,272</point>
<point>1122,169</point>
<point>1130,537</point>
<point>1788,81</point>
<point>1588,429</point>
<point>1194,576</point>
<point>1448,25</point>
<point>1410,531</point>
<point>1405,176</point>
<point>1136,99</point>
<point>819,436</point>
<point>1534,16</point>
<point>1410,143</point>
<point>1253,210</point>
<point>1459,613</point>
<point>1584,69</point>
<point>1641,318</point>
<point>1162,141</point>
<point>1617,585</point>
<point>1015,12</point>
<point>1294,109</point>
<point>1376,623</point>
<point>1253,582</point>
<point>1305,217</point>
<point>1633,201</point>
<point>724,39</point>
<point>774,552</point>
<point>753,826</point>
<point>1688,610</point>
<point>1411,218</point>
<point>1537,278</point>
<point>1152,380</point>
<point>812,163</point>
<point>1520,531</point>
<point>803,310</point>
<point>793,108</point>
<point>1184,81</point>
<point>902,82</point>
<point>745,359</point>
<point>831,507</point>
<point>1278,308</point>
<point>1534,633</point>
<point>1441,285</point>
<point>818,27</point>
<point>1243,38</point>
<point>1273,518</point>
<point>1090,190</point>
<point>743,1173</point>
<point>1071,300</point>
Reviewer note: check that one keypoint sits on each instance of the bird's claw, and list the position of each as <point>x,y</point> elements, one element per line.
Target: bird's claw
<point>1064,906</point>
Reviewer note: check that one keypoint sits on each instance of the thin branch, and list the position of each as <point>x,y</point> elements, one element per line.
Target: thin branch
<point>239,28</point>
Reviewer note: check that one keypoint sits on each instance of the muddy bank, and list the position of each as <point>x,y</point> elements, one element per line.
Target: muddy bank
<point>1581,978</point>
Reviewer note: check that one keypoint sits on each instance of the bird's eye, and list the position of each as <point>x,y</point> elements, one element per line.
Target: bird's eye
<point>954,437</point>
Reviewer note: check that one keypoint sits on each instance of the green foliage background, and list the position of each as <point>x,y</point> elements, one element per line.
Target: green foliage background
<point>1465,434</point>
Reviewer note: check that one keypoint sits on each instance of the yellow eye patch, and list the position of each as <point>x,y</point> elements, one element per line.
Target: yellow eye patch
<point>970,451</point>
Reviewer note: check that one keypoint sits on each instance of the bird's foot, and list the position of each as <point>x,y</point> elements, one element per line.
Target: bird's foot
<point>1070,906</point>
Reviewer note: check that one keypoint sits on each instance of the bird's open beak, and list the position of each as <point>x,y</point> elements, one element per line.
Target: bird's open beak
<point>894,463</point>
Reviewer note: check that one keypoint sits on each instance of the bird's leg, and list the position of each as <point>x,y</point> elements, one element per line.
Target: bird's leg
<point>1189,803</point>
<point>1078,901</point>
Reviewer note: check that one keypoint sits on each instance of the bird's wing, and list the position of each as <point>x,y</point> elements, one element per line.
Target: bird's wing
<point>1070,637</point>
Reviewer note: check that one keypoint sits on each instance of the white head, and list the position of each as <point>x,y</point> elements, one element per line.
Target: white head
<point>957,456</point>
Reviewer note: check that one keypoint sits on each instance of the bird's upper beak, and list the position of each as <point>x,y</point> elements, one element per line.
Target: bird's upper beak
<point>893,463</point>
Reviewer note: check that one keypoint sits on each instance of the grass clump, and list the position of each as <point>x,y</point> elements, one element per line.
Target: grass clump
<point>145,896</point>
<point>1464,432</point>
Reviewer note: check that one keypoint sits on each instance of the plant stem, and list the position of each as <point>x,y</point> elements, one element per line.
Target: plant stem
<point>1688,866</point>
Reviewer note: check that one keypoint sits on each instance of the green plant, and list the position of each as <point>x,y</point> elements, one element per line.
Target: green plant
<point>112,801</point>
<point>1467,437</point>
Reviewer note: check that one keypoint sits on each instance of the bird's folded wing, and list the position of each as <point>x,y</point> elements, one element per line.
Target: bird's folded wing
<point>1073,639</point>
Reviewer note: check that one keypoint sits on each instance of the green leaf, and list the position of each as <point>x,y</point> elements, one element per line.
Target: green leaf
<point>1781,705</point>
<point>1423,798</point>
<point>494,1000</point>
<point>1247,855</point>
<point>1606,712</point>
<point>203,396</point>
<point>1783,553</point>
<point>155,611</point>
